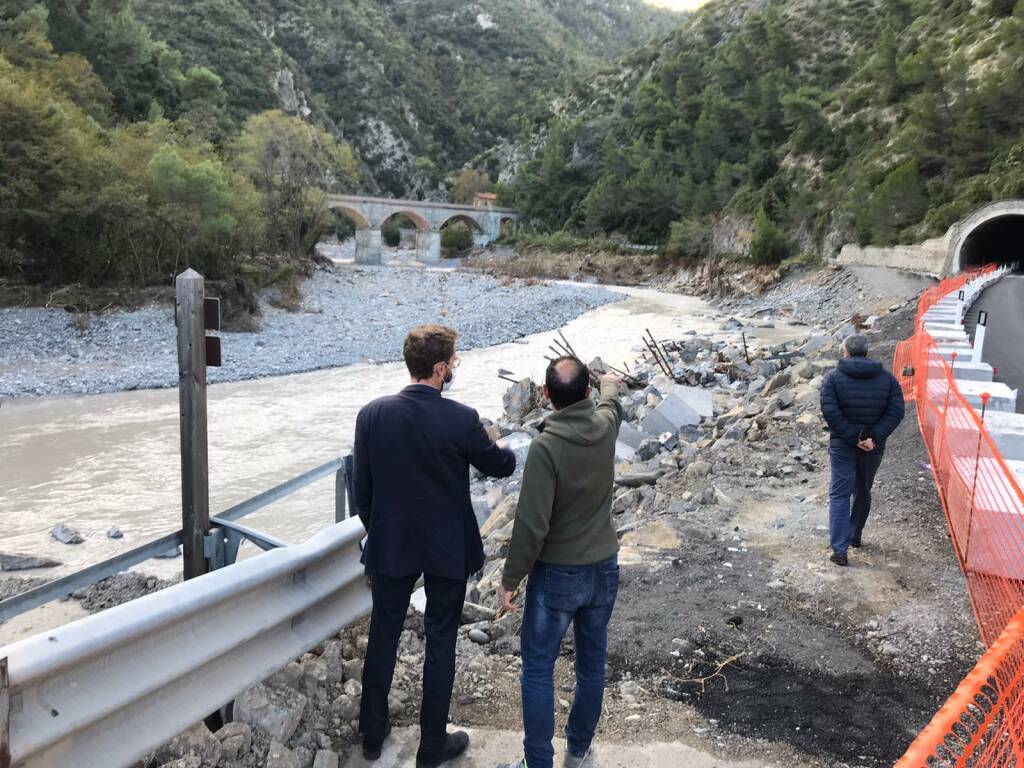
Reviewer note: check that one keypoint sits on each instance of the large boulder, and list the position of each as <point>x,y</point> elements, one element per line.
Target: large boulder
<point>276,711</point>
<point>502,514</point>
<point>520,400</point>
<point>197,741</point>
<point>65,534</point>
<point>235,739</point>
<point>519,444</point>
<point>279,756</point>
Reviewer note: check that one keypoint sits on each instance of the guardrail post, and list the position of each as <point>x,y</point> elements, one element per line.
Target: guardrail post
<point>5,716</point>
<point>195,472</point>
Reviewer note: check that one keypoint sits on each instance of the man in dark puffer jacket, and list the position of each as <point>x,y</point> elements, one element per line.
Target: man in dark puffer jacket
<point>863,405</point>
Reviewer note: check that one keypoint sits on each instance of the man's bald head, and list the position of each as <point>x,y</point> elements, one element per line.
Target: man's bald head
<point>567,381</point>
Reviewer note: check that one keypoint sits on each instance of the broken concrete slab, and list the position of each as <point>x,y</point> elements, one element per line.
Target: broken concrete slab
<point>11,561</point>
<point>682,406</point>
<point>636,479</point>
<point>624,452</point>
<point>631,436</point>
<point>778,381</point>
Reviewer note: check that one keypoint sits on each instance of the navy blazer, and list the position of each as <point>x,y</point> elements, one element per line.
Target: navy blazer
<point>412,457</point>
<point>861,399</point>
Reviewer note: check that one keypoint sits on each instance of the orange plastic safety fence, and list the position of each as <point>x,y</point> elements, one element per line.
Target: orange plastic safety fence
<point>983,723</point>
<point>980,725</point>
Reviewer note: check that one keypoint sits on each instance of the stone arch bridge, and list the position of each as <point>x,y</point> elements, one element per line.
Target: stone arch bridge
<point>370,213</point>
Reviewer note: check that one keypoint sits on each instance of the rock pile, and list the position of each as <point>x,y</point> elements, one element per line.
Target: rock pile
<point>704,405</point>
<point>693,421</point>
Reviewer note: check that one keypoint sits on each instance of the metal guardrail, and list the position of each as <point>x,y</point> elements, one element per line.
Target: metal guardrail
<point>107,689</point>
<point>221,545</point>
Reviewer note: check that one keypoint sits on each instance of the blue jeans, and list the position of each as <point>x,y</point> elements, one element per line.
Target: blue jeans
<point>555,596</point>
<point>853,473</point>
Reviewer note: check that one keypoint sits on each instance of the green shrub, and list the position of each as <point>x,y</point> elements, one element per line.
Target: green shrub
<point>456,237</point>
<point>391,234</point>
<point>689,240</point>
<point>769,245</point>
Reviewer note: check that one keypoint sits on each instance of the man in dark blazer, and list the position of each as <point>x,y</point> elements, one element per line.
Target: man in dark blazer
<point>862,404</point>
<point>412,456</point>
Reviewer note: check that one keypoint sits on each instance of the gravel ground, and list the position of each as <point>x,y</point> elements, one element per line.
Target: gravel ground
<point>349,314</point>
<point>831,296</point>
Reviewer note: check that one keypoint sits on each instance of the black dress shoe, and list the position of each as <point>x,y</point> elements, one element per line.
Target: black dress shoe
<point>839,559</point>
<point>372,751</point>
<point>454,745</point>
<point>855,542</point>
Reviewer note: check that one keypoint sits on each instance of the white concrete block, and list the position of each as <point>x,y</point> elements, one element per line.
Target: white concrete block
<point>682,406</point>
<point>631,436</point>
<point>968,371</point>
<point>1007,432</point>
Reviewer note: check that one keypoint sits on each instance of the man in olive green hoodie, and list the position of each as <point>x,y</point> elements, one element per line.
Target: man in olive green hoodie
<point>564,539</point>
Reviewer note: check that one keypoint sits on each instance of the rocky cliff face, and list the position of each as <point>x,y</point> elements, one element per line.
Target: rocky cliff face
<point>418,87</point>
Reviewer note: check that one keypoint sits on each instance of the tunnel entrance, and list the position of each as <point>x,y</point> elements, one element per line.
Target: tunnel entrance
<point>997,241</point>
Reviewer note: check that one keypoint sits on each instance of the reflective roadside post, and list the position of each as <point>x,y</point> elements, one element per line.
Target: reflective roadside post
<point>979,337</point>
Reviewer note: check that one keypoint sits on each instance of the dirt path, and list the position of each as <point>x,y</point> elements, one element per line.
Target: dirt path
<point>734,632</point>
<point>490,747</point>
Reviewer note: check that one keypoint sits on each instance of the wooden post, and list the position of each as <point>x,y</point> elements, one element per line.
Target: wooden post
<point>5,716</point>
<point>195,474</point>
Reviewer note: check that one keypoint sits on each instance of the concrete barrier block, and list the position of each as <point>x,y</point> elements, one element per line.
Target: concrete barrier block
<point>965,370</point>
<point>682,406</point>
<point>1007,432</point>
<point>630,435</point>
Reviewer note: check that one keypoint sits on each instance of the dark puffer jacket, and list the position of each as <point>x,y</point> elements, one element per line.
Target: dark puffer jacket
<point>861,399</point>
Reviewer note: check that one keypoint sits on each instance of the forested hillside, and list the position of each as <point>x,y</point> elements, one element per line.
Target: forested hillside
<point>825,121</point>
<point>142,137</point>
<point>418,87</point>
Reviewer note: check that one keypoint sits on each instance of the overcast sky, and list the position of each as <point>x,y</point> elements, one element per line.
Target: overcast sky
<point>679,5</point>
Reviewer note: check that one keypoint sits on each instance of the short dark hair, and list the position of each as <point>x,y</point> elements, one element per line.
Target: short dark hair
<point>568,385</point>
<point>426,346</point>
<point>856,345</point>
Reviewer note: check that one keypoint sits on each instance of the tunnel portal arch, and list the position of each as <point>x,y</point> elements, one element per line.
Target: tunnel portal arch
<point>992,234</point>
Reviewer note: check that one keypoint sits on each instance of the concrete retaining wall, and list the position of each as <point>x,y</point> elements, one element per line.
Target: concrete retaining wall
<point>928,257</point>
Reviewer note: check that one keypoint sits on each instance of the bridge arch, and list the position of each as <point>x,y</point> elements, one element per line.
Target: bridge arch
<point>360,220</point>
<point>992,234</point>
<point>464,218</point>
<point>418,221</point>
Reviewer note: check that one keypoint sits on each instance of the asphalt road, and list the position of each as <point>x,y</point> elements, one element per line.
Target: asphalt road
<point>1004,341</point>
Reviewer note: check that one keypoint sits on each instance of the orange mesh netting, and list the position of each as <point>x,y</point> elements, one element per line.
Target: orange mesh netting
<point>983,722</point>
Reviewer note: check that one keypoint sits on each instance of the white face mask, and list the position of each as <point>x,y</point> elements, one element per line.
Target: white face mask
<point>449,380</point>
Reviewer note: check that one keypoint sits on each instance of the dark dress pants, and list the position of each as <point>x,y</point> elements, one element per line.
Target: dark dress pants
<point>445,598</point>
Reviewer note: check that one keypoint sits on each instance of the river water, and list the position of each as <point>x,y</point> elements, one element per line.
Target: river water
<point>112,460</point>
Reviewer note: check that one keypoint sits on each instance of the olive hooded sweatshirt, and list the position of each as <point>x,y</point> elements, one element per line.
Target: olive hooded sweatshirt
<point>564,511</point>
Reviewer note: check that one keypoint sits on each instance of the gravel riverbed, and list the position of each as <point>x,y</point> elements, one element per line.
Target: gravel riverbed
<point>349,314</point>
